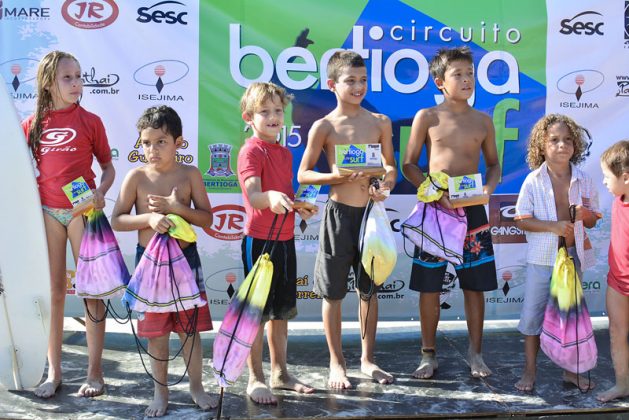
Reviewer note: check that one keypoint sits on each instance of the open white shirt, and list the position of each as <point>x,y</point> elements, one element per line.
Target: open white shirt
<point>537,199</point>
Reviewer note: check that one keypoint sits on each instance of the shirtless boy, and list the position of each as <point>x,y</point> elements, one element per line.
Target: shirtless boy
<point>160,187</point>
<point>348,123</point>
<point>454,134</point>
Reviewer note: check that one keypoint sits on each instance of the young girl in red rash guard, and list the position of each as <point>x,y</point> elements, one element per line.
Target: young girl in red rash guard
<point>64,138</point>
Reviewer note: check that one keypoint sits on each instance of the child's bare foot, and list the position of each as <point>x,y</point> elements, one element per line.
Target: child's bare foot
<point>427,366</point>
<point>614,392</point>
<point>260,393</point>
<point>92,388</point>
<point>373,371</point>
<point>159,405</point>
<point>526,382</point>
<point>48,388</point>
<point>579,381</point>
<point>478,368</point>
<point>338,378</point>
<point>204,400</point>
<point>284,380</point>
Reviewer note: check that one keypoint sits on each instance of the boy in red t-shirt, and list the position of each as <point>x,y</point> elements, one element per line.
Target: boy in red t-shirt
<point>615,166</point>
<point>265,176</point>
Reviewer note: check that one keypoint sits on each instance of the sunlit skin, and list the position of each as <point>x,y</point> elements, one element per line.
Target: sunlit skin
<point>266,122</point>
<point>558,150</point>
<point>160,187</point>
<point>617,306</point>
<point>66,90</point>
<point>458,82</point>
<point>454,135</point>
<point>617,185</point>
<point>350,123</point>
<point>68,86</point>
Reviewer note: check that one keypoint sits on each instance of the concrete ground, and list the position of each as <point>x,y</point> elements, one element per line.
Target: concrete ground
<point>452,393</point>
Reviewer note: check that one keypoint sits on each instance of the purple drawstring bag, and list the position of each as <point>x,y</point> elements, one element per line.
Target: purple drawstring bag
<point>437,231</point>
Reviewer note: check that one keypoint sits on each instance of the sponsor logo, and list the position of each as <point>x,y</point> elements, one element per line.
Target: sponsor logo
<point>157,13</point>
<point>95,14</point>
<point>158,75</point>
<point>510,277</point>
<point>626,24</point>
<point>304,281</point>
<point>24,13</point>
<point>306,237</point>
<point>577,84</point>
<point>115,154</point>
<point>591,286</point>
<point>500,299</point>
<point>304,75</point>
<point>229,221</point>
<point>623,85</point>
<point>503,227</point>
<point>100,84</point>
<point>220,160</point>
<point>224,282</point>
<point>220,167</point>
<point>16,73</point>
<point>507,212</point>
<point>389,290</point>
<point>584,23</point>
<point>136,155</point>
<point>55,137</point>
<point>394,218</point>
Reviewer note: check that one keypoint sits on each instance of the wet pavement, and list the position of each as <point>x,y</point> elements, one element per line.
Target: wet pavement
<point>452,393</point>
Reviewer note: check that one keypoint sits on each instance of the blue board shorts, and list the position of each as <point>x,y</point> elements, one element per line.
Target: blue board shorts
<point>478,270</point>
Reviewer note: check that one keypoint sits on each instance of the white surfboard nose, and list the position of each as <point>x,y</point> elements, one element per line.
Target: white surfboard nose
<point>24,269</point>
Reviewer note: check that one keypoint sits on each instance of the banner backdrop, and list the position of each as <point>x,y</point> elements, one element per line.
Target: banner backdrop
<point>531,58</point>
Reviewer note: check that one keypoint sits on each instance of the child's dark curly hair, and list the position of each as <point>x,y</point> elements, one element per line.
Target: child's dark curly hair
<point>539,135</point>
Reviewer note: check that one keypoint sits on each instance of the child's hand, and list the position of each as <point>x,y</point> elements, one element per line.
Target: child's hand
<point>444,201</point>
<point>98,199</point>
<point>563,228</point>
<point>355,176</point>
<point>306,214</point>
<point>581,213</point>
<point>379,194</point>
<point>164,205</point>
<point>279,202</point>
<point>160,223</point>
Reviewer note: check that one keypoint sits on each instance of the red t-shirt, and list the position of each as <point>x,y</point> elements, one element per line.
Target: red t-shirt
<point>273,164</point>
<point>70,138</point>
<point>618,257</point>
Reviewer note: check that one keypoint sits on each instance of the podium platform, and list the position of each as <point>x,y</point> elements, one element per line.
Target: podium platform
<point>452,393</point>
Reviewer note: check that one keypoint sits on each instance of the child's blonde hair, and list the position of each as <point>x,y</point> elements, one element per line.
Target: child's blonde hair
<point>46,74</point>
<point>539,134</point>
<point>258,93</point>
<point>616,158</point>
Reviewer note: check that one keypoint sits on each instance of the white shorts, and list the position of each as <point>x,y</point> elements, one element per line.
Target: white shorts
<point>536,293</point>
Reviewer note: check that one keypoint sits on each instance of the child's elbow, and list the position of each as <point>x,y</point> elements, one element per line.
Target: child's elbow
<point>208,220</point>
<point>406,169</point>
<point>115,223</point>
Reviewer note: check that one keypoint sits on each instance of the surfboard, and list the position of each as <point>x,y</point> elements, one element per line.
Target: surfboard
<point>24,270</point>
